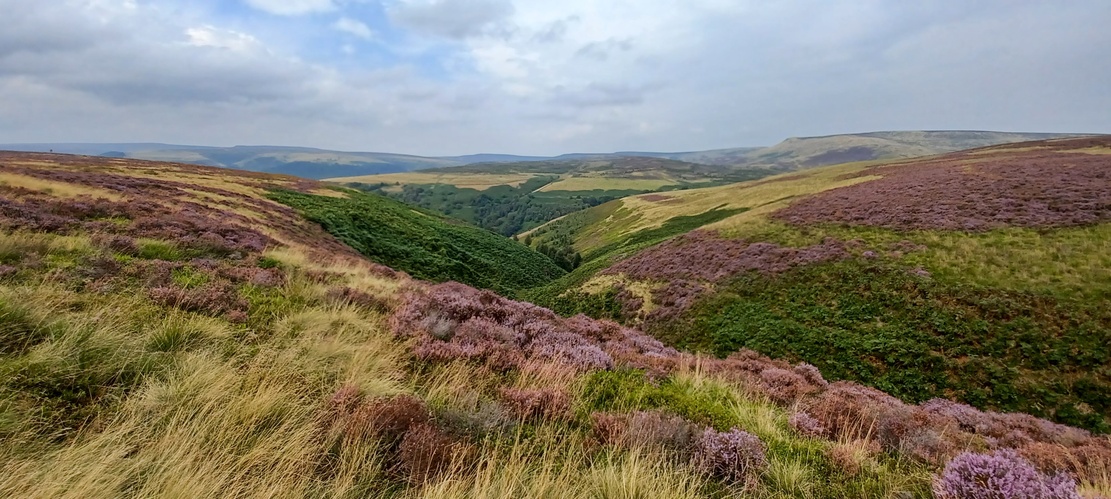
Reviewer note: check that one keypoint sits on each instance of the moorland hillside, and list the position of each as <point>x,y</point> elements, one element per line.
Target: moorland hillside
<point>178,330</point>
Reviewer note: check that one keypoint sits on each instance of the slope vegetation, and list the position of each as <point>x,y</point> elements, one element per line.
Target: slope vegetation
<point>980,276</point>
<point>426,245</point>
<point>510,198</point>
<point>171,330</point>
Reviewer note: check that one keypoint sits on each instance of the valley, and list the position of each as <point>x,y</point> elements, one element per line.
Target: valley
<point>844,331</point>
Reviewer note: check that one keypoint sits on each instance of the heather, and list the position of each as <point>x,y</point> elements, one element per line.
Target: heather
<point>425,245</point>
<point>137,364</point>
<point>962,191</point>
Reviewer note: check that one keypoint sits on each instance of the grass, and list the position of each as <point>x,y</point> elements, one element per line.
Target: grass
<point>425,245</point>
<point>56,189</point>
<point>115,396</point>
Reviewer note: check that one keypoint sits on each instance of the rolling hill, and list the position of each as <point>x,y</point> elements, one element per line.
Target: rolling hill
<point>980,275</point>
<point>318,163</point>
<point>171,329</point>
<point>509,198</point>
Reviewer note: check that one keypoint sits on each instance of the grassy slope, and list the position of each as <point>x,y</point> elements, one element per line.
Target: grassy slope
<point>1011,318</point>
<point>426,245</point>
<point>510,198</point>
<point>107,392</point>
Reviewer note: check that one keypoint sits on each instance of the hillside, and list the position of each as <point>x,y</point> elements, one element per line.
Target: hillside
<point>300,161</point>
<point>170,329</point>
<point>509,198</point>
<point>809,152</point>
<point>980,276</point>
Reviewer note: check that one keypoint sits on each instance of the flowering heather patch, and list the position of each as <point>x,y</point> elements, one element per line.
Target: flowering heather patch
<point>735,455</point>
<point>806,424</point>
<point>160,208</point>
<point>775,379</point>
<point>1000,475</point>
<point>1048,187</point>
<point>454,321</point>
<point>688,261</point>
<point>704,255</point>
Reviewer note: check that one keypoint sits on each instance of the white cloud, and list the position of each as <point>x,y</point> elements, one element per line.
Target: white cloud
<point>536,77</point>
<point>353,27</point>
<point>292,7</point>
<point>209,36</point>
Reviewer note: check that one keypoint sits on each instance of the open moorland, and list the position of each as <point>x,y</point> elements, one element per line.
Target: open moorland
<point>182,330</point>
<point>509,198</point>
<point>980,276</point>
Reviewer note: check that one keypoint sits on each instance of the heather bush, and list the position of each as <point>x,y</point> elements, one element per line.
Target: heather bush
<point>425,453</point>
<point>654,430</point>
<point>1001,474</point>
<point>214,298</point>
<point>452,321</point>
<point>483,419</point>
<point>735,455</point>
<point>387,419</point>
<point>806,425</point>
<point>536,404</point>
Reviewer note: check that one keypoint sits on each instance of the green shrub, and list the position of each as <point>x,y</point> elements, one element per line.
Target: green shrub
<point>918,339</point>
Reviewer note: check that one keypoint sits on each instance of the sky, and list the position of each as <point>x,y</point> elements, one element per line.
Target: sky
<point>544,77</point>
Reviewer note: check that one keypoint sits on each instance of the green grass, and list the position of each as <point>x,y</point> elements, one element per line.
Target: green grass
<point>917,338</point>
<point>426,245</point>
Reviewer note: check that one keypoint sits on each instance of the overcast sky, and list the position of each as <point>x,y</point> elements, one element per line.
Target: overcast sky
<point>438,77</point>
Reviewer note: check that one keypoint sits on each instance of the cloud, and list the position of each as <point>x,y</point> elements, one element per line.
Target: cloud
<point>209,36</point>
<point>292,7</point>
<point>450,76</point>
<point>353,27</point>
<point>457,19</point>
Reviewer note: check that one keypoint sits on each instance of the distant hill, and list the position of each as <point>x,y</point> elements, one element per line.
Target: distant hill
<point>808,152</point>
<point>791,154</point>
<point>299,161</point>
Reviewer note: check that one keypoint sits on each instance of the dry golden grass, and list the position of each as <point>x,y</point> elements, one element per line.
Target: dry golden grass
<point>58,189</point>
<point>602,283</point>
<point>760,197</point>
